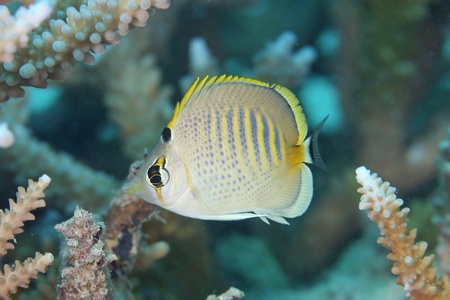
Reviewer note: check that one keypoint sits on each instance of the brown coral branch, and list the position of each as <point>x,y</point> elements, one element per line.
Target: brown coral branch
<point>414,270</point>
<point>85,274</point>
<point>123,227</point>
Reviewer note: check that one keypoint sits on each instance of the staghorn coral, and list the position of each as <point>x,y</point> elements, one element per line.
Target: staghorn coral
<point>21,273</point>
<point>11,223</point>
<point>414,270</point>
<point>73,33</point>
<point>85,275</point>
<point>14,30</point>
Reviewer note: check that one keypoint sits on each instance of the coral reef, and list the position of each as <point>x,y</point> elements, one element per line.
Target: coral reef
<point>11,224</point>
<point>379,68</point>
<point>414,270</point>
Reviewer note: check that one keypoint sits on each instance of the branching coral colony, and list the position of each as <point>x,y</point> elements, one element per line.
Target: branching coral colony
<point>414,270</point>
<point>11,223</point>
<point>75,30</point>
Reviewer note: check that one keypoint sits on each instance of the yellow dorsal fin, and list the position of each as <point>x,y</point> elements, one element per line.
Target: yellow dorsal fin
<point>285,93</point>
<point>195,87</point>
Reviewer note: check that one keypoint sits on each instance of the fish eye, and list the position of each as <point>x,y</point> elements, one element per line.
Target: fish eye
<point>166,135</point>
<point>157,176</point>
<point>155,179</point>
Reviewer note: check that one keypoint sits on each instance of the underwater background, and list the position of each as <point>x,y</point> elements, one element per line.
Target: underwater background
<point>379,68</point>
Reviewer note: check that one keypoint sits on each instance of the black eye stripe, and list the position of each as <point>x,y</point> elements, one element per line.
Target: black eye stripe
<point>157,175</point>
<point>166,135</point>
<point>154,170</point>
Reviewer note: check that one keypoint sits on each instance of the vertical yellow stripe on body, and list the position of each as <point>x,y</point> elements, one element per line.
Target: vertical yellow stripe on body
<point>249,140</point>
<point>272,146</point>
<point>282,144</point>
<point>261,143</point>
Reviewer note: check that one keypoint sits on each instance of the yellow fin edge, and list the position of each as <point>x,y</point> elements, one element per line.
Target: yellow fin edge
<point>297,110</point>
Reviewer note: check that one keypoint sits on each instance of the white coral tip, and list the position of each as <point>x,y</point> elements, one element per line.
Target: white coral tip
<point>6,136</point>
<point>362,174</point>
<point>45,179</point>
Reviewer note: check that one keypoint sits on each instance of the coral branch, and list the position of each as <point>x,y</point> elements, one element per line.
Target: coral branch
<point>11,223</point>
<point>75,31</point>
<point>14,29</point>
<point>414,270</point>
<point>85,275</point>
<point>21,273</point>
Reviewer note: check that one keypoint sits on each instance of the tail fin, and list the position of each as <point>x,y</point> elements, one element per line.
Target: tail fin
<point>314,147</point>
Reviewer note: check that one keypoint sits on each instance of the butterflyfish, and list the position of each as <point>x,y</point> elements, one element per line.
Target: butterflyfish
<point>235,148</point>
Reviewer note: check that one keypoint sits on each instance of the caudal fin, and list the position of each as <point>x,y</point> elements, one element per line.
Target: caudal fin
<point>316,159</point>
